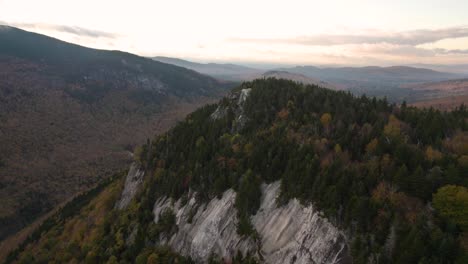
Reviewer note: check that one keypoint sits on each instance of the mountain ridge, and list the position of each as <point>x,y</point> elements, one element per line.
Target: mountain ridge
<point>226,71</point>
<point>71,114</point>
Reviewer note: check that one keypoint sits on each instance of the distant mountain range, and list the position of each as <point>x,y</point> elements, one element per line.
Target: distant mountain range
<point>297,78</point>
<point>69,115</point>
<point>452,68</point>
<point>231,72</point>
<point>390,75</point>
<point>392,82</point>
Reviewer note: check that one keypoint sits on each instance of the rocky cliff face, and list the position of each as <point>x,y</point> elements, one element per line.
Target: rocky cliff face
<point>132,183</point>
<point>291,233</point>
<point>236,105</point>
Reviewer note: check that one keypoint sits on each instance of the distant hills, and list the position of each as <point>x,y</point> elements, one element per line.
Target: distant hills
<point>394,74</point>
<point>454,87</point>
<point>231,72</point>
<point>296,77</point>
<point>392,82</point>
<point>455,92</point>
<point>70,115</point>
<point>452,68</point>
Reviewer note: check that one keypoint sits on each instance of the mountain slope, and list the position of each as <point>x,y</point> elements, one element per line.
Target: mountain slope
<point>69,115</point>
<point>231,72</point>
<point>280,172</point>
<point>444,95</point>
<point>452,87</point>
<point>444,103</point>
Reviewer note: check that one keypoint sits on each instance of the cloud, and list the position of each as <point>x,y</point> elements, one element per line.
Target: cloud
<point>78,31</point>
<point>412,38</point>
<point>451,51</point>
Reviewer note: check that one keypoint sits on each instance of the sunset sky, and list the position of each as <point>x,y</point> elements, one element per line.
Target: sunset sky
<point>343,32</point>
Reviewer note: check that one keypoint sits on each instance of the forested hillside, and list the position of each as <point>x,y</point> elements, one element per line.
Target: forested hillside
<point>393,178</point>
<point>70,116</point>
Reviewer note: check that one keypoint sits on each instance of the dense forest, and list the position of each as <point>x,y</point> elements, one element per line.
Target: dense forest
<point>69,115</point>
<point>394,177</point>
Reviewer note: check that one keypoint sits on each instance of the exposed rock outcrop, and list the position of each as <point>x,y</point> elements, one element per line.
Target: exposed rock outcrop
<point>236,105</point>
<point>288,234</point>
<point>132,182</point>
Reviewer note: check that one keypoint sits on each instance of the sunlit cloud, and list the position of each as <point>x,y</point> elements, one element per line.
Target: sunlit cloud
<point>414,37</point>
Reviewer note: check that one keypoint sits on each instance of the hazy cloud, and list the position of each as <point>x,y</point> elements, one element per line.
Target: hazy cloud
<point>413,38</point>
<point>79,31</point>
<point>451,51</point>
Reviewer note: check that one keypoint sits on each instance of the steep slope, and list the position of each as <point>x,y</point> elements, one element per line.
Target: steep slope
<point>280,172</point>
<point>69,115</point>
<point>231,72</point>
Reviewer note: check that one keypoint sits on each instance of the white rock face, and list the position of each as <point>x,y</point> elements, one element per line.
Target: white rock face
<point>243,96</point>
<point>288,234</point>
<point>132,182</point>
<point>296,234</point>
<point>238,108</point>
<point>212,229</point>
<point>241,119</point>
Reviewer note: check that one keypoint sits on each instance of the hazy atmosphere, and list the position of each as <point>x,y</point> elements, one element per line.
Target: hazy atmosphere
<point>342,32</point>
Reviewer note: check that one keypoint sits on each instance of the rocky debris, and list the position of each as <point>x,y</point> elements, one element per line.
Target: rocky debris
<point>288,234</point>
<point>132,182</point>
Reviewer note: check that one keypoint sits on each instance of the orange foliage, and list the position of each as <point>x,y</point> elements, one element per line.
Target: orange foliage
<point>458,143</point>
<point>433,154</point>
<point>407,206</point>
<point>236,148</point>
<point>325,119</point>
<point>372,146</point>
<point>393,127</point>
<point>283,114</point>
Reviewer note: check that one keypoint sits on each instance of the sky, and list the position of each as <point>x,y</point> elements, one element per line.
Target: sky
<point>304,32</point>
